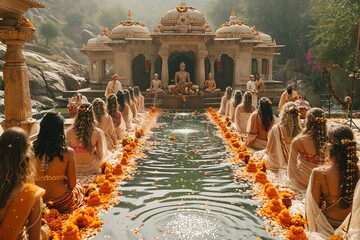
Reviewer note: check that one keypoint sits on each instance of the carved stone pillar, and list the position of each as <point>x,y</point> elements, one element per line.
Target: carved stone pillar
<point>129,80</point>
<point>201,71</point>
<point>237,76</point>
<point>259,60</point>
<point>270,78</point>
<point>164,54</point>
<point>212,65</point>
<point>16,79</point>
<point>201,67</point>
<point>152,69</point>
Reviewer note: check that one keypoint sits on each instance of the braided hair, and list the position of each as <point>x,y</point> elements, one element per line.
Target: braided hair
<point>121,100</point>
<point>84,124</point>
<point>112,105</point>
<point>315,127</point>
<point>341,149</point>
<point>98,108</point>
<point>290,119</point>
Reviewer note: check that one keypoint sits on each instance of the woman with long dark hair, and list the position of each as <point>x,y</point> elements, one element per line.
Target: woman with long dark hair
<point>115,114</point>
<point>259,124</point>
<point>105,122</point>
<point>243,112</point>
<point>20,199</point>
<point>55,166</point>
<point>123,100</point>
<point>330,194</point>
<point>306,150</point>
<point>87,140</point>
<point>225,99</point>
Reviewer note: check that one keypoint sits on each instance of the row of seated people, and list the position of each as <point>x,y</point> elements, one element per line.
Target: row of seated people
<point>56,157</point>
<point>311,158</point>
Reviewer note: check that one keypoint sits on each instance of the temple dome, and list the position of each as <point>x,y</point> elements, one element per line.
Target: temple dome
<point>182,19</point>
<point>266,39</point>
<point>129,29</point>
<point>234,29</point>
<point>91,41</point>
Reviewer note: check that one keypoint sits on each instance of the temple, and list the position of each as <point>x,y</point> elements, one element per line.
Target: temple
<point>231,53</point>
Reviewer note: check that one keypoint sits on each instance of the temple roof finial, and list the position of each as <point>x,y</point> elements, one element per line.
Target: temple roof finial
<point>130,16</point>
<point>233,13</point>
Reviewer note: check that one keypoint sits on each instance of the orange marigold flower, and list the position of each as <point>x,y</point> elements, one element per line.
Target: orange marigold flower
<point>70,231</point>
<point>118,170</point>
<point>51,214</point>
<point>276,206</point>
<point>261,177</point>
<point>271,192</point>
<point>94,199</point>
<point>298,220</point>
<point>124,161</point>
<point>55,224</point>
<point>296,233</point>
<point>227,135</point>
<point>285,218</point>
<point>251,167</point>
<point>106,187</point>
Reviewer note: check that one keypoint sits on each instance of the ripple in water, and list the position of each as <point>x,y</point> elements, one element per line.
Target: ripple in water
<point>184,190</point>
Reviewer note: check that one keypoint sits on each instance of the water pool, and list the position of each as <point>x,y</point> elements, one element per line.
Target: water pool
<point>184,189</point>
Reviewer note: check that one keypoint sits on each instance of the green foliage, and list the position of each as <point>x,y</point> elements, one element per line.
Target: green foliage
<point>335,31</point>
<point>112,16</point>
<point>49,31</point>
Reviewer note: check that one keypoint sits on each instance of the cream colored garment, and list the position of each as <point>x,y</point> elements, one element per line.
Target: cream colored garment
<point>299,170</point>
<point>228,106</point>
<point>223,103</point>
<point>318,225</point>
<point>241,120</point>
<point>277,149</point>
<point>351,231</point>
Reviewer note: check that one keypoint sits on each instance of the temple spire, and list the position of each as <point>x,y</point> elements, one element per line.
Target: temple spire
<point>233,16</point>
<point>130,16</point>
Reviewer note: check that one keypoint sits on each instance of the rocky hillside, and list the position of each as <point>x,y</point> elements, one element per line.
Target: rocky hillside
<point>50,76</point>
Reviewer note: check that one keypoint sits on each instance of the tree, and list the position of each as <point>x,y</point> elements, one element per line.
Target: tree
<point>49,30</point>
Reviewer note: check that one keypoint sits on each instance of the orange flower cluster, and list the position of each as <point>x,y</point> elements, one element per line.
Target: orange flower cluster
<point>99,195</point>
<point>261,177</point>
<point>70,232</point>
<point>296,233</point>
<point>275,202</point>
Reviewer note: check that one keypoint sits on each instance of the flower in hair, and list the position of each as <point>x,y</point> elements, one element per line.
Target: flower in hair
<point>9,146</point>
<point>320,119</point>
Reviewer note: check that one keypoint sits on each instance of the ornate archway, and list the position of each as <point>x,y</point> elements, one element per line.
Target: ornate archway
<point>224,72</point>
<point>175,58</point>
<point>140,73</point>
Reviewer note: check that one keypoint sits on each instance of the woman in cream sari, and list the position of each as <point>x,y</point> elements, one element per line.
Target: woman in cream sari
<point>243,112</point>
<point>306,150</point>
<point>20,199</point>
<point>280,137</point>
<point>330,193</point>
<point>225,99</point>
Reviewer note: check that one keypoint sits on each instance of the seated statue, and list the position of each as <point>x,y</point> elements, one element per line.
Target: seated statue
<point>156,85</point>
<point>182,77</point>
<point>210,85</point>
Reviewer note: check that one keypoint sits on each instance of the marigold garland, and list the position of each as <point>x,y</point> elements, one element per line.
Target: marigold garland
<point>276,202</point>
<point>100,194</point>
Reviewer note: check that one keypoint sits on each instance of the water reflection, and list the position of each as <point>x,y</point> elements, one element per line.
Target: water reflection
<point>184,190</point>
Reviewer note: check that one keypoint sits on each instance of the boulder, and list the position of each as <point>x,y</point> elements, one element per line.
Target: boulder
<point>290,71</point>
<point>37,83</point>
<point>55,83</point>
<point>72,81</point>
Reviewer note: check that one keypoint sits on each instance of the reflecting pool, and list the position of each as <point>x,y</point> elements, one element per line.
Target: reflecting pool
<point>184,189</point>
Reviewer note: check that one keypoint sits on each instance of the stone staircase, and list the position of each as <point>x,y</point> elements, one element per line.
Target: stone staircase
<point>273,91</point>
